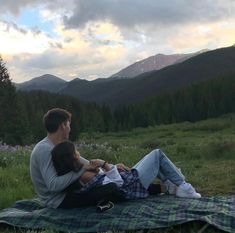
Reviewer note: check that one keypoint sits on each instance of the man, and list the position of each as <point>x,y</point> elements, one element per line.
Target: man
<point>50,187</point>
<point>47,184</point>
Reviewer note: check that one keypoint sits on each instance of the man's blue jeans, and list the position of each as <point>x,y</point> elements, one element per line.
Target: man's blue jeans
<point>156,164</point>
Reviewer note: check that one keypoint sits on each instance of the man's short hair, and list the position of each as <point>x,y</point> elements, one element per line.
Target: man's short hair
<point>54,118</point>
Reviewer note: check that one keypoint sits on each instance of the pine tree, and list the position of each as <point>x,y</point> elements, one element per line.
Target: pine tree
<point>4,86</point>
<point>12,127</point>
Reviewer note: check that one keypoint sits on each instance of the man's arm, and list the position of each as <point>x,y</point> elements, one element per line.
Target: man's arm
<point>54,182</point>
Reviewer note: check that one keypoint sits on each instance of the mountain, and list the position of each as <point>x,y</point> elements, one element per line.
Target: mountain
<point>199,68</point>
<point>45,82</point>
<point>156,62</point>
<point>207,65</point>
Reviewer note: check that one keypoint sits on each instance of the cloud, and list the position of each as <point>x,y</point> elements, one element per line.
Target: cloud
<point>132,13</point>
<point>149,24</point>
<point>97,38</point>
<point>82,54</point>
<point>212,36</point>
<point>15,39</point>
<point>65,65</point>
<point>14,7</point>
<point>9,25</point>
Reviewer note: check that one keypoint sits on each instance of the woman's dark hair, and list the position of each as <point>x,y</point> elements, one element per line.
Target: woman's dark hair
<point>63,158</point>
<point>54,118</point>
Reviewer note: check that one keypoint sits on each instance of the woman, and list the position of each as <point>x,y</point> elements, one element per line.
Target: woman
<point>130,183</point>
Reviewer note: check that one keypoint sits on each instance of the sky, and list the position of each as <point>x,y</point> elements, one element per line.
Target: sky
<point>91,39</point>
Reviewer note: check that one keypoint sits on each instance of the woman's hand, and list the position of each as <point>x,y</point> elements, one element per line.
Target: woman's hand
<point>101,163</point>
<point>122,168</point>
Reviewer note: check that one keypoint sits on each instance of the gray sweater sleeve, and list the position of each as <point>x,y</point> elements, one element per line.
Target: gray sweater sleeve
<point>54,182</point>
<point>43,173</point>
<point>83,160</point>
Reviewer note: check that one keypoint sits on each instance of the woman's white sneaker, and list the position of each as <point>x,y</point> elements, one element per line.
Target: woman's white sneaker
<point>186,190</point>
<point>170,187</point>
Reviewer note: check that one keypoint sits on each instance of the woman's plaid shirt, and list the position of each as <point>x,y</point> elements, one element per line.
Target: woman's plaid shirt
<point>131,188</point>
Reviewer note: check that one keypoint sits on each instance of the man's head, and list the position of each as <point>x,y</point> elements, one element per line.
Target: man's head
<point>57,120</point>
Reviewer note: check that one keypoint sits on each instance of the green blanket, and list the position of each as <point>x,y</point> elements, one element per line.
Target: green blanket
<point>150,213</point>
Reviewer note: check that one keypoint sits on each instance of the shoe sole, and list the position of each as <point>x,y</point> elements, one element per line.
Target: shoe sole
<point>104,206</point>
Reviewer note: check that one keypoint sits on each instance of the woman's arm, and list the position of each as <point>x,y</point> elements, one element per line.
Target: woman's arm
<point>106,166</point>
<point>101,164</point>
<point>90,170</point>
<point>122,167</point>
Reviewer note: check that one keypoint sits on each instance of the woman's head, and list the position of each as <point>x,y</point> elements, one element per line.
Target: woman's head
<point>65,158</point>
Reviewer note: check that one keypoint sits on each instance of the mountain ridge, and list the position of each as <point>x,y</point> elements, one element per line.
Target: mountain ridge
<point>204,66</point>
<point>155,62</point>
<point>46,82</point>
<point>199,68</point>
<point>37,83</point>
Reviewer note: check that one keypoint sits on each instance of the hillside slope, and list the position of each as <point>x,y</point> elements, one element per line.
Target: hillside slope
<point>46,82</point>
<point>205,66</point>
<point>156,62</point>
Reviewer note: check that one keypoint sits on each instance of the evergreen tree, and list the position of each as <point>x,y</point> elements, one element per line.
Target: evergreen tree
<point>6,90</point>
<point>10,117</point>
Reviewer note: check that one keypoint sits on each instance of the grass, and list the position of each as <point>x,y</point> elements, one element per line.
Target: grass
<point>205,152</point>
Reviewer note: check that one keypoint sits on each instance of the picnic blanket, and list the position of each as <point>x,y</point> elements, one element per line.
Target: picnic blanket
<point>150,213</point>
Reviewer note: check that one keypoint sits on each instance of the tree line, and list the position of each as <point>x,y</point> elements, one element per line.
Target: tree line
<point>21,112</point>
<point>196,102</point>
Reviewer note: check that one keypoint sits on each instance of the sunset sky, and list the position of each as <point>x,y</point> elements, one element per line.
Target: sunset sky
<point>92,39</point>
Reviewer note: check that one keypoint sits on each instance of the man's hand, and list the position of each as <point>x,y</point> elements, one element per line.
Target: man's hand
<point>122,168</point>
<point>91,167</point>
<point>97,162</point>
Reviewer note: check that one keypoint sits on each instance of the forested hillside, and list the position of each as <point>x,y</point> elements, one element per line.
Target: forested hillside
<point>203,67</point>
<point>21,112</point>
<point>211,98</point>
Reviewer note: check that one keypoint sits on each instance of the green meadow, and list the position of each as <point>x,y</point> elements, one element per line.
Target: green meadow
<point>205,152</point>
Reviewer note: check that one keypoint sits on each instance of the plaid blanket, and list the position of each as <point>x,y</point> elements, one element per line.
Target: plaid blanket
<point>150,213</point>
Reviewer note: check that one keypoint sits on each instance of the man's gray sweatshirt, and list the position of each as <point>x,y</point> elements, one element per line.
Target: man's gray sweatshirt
<point>48,185</point>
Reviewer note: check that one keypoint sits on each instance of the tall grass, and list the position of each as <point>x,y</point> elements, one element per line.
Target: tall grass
<point>15,180</point>
<point>205,152</point>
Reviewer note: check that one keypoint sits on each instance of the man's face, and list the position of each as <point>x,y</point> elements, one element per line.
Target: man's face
<point>66,129</point>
